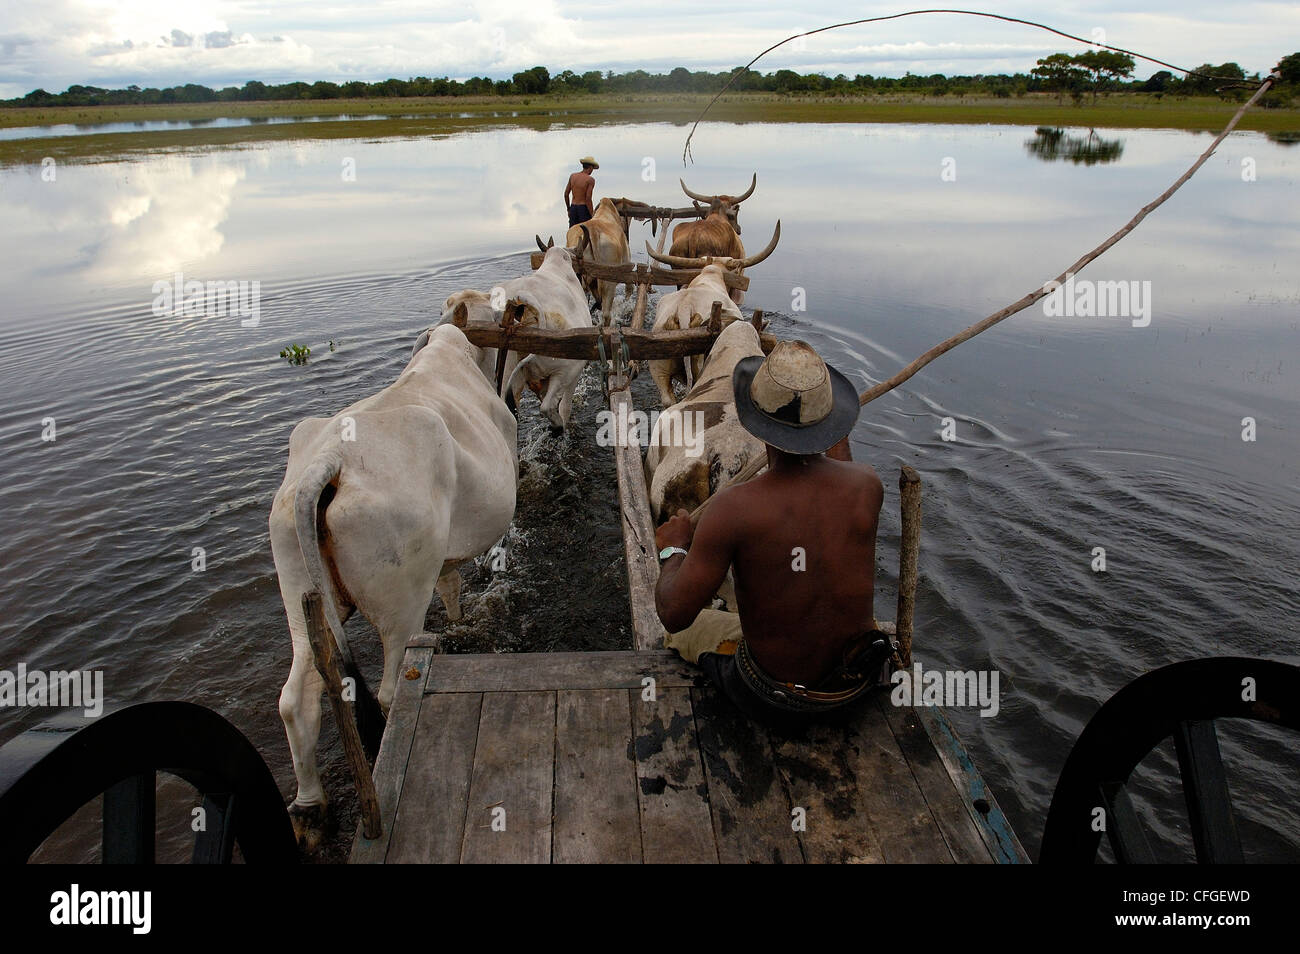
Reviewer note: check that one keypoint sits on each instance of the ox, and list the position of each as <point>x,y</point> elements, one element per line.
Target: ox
<point>689,307</point>
<point>675,478</point>
<point>603,240</point>
<point>549,297</point>
<point>718,233</point>
<point>478,311</point>
<point>379,505</point>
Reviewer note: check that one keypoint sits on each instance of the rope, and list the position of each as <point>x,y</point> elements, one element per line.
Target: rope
<point>686,149</point>
<point>866,397</point>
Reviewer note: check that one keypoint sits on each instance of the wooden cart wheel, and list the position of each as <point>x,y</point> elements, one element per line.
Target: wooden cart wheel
<point>1182,700</point>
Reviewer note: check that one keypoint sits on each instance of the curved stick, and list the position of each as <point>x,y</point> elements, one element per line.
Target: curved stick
<point>740,71</point>
<point>755,465</point>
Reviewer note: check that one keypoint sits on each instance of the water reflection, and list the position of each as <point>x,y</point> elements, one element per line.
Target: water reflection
<point>1051,144</point>
<point>1072,433</point>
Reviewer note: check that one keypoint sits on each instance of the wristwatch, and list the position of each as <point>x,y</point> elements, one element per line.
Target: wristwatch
<point>666,552</point>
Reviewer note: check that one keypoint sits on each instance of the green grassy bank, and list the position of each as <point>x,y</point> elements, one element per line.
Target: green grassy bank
<point>416,117</point>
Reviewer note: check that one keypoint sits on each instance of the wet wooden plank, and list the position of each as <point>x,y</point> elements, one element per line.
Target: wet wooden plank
<point>394,752</point>
<point>750,805</point>
<point>596,810</point>
<point>890,795</point>
<point>993,826</point>
<point>946,805</point>
<point>500,672</point>
<point>639,551</point>
<point>430,822</point>
<point>817,766</point>
<point>676,824</point>
<point>514,771</point>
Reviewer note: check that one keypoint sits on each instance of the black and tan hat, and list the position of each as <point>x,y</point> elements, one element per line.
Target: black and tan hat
<point>589,161</point>
<point>794,400</point>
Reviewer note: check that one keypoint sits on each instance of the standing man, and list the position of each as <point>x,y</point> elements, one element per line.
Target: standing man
<point>801,543</point>
<point>578,193</point>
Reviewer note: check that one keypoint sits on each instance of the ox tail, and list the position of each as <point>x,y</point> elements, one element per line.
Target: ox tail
<point>323,472</point>
<point>508,387</point>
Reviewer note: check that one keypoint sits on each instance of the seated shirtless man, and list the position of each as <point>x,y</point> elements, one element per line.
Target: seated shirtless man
<point>801,539</point>
<point>579,193</point>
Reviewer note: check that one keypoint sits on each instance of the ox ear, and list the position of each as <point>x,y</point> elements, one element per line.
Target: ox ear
<point>420,342</point>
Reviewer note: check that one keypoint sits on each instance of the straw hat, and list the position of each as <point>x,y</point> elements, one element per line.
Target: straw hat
<point>589,161</point>
<point>794,400</point>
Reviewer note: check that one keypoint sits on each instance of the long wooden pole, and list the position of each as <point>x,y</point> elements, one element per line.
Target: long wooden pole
<point>322,645</point>
<point>639,549</point>
<point>756,465</point>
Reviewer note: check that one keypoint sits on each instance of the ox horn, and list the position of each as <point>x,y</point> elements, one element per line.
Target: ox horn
<point>771,247</point>
<point>680,261</point>
<point>748,192</point>
<point>539,242</point>
<point>696,195</point>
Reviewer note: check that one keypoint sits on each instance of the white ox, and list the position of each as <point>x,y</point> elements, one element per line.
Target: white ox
<point>689,307</point>
<point>378,506</point>
<point>679,475</point>
<point>549,297</point>
<point>478,311</point>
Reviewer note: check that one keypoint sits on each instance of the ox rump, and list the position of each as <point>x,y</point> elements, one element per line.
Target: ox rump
<point>689,307</point>
<point>602,239</point>
<point>550,298</point>
<point>678,480</point>
<point>379,505</point>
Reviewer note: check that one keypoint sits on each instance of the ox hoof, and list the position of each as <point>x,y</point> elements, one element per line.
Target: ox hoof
<point>308,824</point>
<point>455,616</point>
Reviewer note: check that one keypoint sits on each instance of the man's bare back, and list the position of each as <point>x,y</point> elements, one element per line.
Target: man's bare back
<point>580,190</point>
<point>802,541</point>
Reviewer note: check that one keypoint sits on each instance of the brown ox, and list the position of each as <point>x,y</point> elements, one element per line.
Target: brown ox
<point>606,244</point>
<point>718,233</point>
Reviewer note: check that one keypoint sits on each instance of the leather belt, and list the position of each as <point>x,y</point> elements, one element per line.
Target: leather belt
<point>791,695</point>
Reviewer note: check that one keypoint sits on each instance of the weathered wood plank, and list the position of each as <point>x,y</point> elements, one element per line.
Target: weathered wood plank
<point>583,344</point>
<point>750,805</point>
<point>430,821</point>
<point>959,830</point>
<point>499,672</point>
<point>508,818</point>
<point>394,753</point>
<point>890,795</point>
<point>819,775</point>
<point>639,551</point>
<point>983,807</point>
<point>597,817</point>
<point>676,824</point>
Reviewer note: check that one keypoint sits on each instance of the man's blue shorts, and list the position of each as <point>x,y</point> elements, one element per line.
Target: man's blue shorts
<point>578,213</point>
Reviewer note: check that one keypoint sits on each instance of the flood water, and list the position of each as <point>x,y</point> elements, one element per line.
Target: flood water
<point>1068,432</point>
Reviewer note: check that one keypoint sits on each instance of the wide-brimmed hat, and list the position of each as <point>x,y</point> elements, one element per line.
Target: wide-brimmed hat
<point>794,400</point>
<point>589,161</point>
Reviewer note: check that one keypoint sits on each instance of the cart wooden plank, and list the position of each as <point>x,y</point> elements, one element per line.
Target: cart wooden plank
<point>591,761</point>
<point>595,782</point>
<point>508,818</point>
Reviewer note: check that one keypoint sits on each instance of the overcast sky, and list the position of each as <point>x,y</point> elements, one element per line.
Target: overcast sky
<point>115,43</point>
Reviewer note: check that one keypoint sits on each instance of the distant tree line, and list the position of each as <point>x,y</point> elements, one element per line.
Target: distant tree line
<point>1096,71</point>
